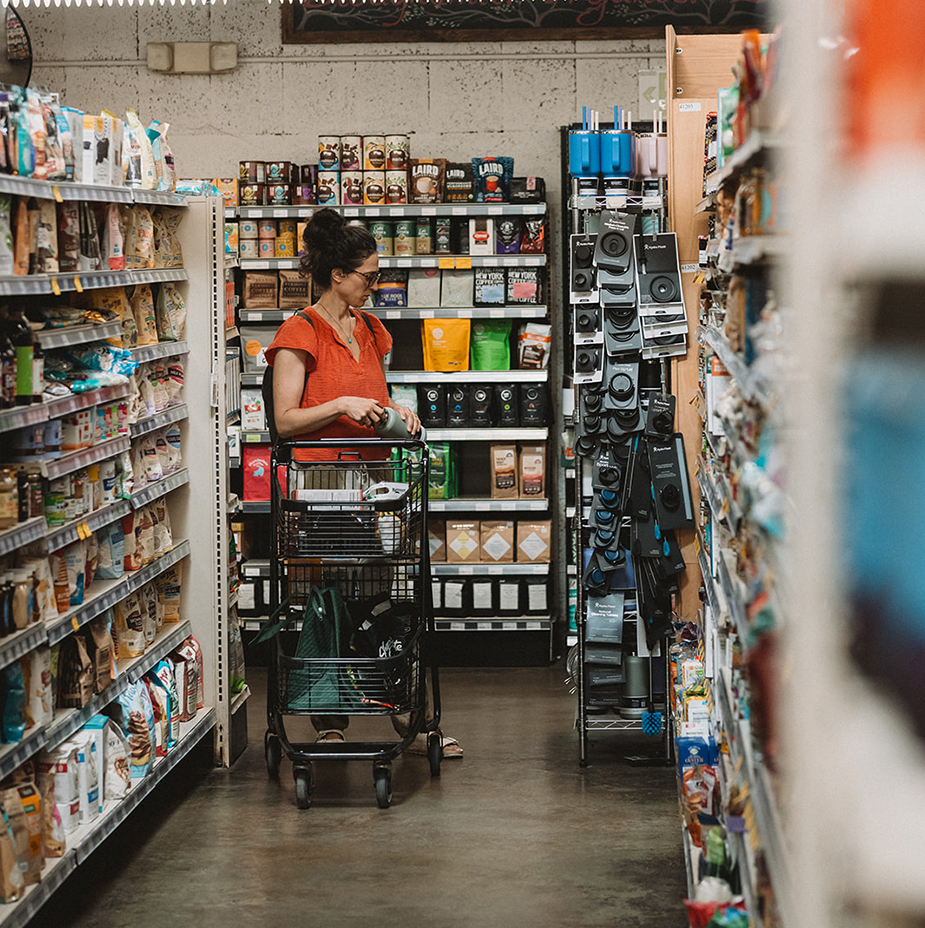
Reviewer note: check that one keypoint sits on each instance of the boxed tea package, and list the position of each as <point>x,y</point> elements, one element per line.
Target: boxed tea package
<point>504,472</point>
<point>497,541</point>
<point>533,541</point>
<point>462,542</point>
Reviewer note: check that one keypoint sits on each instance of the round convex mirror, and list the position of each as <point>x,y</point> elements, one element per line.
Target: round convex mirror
<point>16,52</point>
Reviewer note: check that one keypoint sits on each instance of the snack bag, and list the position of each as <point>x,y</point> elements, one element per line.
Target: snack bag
<point>492,179</point>
<point>145,315</point>
<point>136,718</point>
<point>446,344</point>
<point>117,776</point>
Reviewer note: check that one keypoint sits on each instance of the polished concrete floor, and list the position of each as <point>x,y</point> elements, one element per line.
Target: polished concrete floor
<point>514,834</point>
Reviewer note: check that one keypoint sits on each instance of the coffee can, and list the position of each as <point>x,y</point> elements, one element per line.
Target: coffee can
<point>279,172</point>
<point>308,174</point>
<point>252,194</point>
<point>266,248</point>
<point>373,152</point>
<point>328,152</point>
<point>328,188</point>
<point>285,227</point>
<point>248,248</point>
<point>397,152</point>
<point>252,172</point>
<point>396,186</point>
<point>374,188</point>
<point>404,237</point>
<point>423,236</point>
<point>278,195</point>
<point>247,228</point>
<point>351,152</point>
<point>351,188</point>
<point>303,196</point>
<point>382,231</point>
<point>266,228</point>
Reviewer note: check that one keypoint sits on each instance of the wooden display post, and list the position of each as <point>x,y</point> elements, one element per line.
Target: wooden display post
<point>697,66</point>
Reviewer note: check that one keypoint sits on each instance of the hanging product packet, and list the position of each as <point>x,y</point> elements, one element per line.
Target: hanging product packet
<point>139,239</point>
<point>145,314</point>
<point>171,314</point>
<point>117,775</point>
<point>112,241</point>
<point>128,627</point>
<point>13,716</point>
<point>46,238</point>
<point>55,162</point>
<point>166,175</point>
<point>40,706</point>
<point>167,249</point>
<point>68,236</point>
<point>65,135</point>
<point>160,705</point>
<point>136,718</point>
<point>6,233</point>
<point>89,239</point>
<point>169,591</point>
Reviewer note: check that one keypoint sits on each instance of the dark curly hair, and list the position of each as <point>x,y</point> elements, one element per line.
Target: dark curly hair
<point>332,242</point>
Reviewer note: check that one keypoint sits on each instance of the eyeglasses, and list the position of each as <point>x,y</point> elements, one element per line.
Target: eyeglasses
<point>371,278</point>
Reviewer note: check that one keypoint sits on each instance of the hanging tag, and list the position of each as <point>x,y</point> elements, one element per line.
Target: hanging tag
<point>78,286</point>
<point>724,509</point>
<point>74,623</point>
<point>463,264</point>
<point>55,289</point>
<point>57,194</point>
<point>446,264</point>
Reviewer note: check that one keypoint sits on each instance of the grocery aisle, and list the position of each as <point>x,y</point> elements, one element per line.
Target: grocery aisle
<point>514,834</point>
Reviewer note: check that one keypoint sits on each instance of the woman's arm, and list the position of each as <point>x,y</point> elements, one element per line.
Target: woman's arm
<point>288,386</point>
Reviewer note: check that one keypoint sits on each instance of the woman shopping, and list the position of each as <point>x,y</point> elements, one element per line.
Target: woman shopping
<point>328,372</point>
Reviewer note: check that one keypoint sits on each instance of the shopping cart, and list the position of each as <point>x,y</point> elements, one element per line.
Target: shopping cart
<point>350,582</point>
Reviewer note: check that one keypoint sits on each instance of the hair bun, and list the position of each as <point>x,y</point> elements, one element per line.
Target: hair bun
<point>326,224</point>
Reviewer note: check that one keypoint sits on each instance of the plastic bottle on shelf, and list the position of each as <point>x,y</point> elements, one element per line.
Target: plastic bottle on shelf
<point>21,336</point>
<point>6,604</point>
<point>38,373</point>
<point>7,369</point>
<point>9,499</point>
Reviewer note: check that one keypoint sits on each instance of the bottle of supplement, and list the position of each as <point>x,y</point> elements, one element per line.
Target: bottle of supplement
<point>7,371</point>
<point>38,373</point>
<point>9,499</point>
<point>21,337</point>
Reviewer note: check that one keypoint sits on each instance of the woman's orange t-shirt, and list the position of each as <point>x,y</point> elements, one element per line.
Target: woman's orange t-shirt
<point>334,372</point>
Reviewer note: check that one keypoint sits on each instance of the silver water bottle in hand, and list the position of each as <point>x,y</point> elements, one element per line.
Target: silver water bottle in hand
<point>393,426</point>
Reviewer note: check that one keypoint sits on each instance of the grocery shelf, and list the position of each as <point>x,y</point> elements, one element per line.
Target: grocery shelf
<point>97,193</point>
<point>21,643</point>
<point>159,488</point>
<point>708,583</point>
<point>758,144</point>
<point>445,262</point>
<point>159,419</point>
<point>40,284</point>
<point>252,379</point>
<point>733,590</point>
<point>257,437</point>
<point>78,334</point>
<point>750,381</point>
<point>60,537</point>
<point>21,416</point>
<point>160,350</point>
<point>397,211</point>
<point>756,248</point>
<point>15,755</point>
<point>22,534</point>
<point>255,506</point>
<point>76,460</point>
<point>240,698</point>
<point>478,569</point>
<point>511,311</point>
<point>441,377</point>
<point>537,435</point>
<point>158,197</point>
<point>494,624</point>
<point>106,593</point>
<point>255,567</point>
<point>77,401</point>
<point>488,505</point>
<point>707,204</point>
<point>623,201</point>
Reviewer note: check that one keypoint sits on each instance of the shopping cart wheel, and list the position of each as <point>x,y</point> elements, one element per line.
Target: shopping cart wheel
<point>273,751</point>
<point>435,752</point>
<point>383,776</point>
<point>304,783</point>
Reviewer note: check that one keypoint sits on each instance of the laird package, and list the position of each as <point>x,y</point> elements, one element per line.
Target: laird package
<point>427,180</point>
<point>492,179</point>
<point>459,186</point>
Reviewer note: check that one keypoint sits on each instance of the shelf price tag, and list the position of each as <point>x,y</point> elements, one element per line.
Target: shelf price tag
<point>74,623</point>
<point>78,286</point>
<point>724,509</point>
<point>56,193</point>
<point>83,531</point>
<point>446,264</point>
<point>463,264</point>
<point>55,288</point>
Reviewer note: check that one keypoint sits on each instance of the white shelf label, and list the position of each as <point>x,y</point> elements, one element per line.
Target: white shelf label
<point>458,211</point>
<point>496,313</point>
<point>373,211</point>
<point>689,107</point>
<point>280,214</point>
<point>351,212</point>
<point>393,314</point>
<point>428,210</point>
<point>466,569</point>
<point>482,506</point>
<point>427,314</point>
<point>465,314</point>
<point>495,210</point>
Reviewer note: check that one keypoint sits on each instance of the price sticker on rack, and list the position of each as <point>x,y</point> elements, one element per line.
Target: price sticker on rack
<point>495,210</point>
<point>496,313</point>
<point>351,212</point>
<point>74,623</point>
<point>463,264</point>
<point>280,214</point>
<point>724,509</point>
<point>458,211</point>
<point>55,287</point>
<point>446,264</point>
<point>83,531</point>
<point>428,210</point>
<point>78,286</point>
<point>696,546</point>
<point>56,193</point>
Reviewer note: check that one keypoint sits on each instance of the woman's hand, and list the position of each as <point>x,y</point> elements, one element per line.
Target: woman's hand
<point>362,410</point>
<point>410,418</point>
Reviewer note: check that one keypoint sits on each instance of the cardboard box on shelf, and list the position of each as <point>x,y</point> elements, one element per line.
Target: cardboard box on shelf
<point>436,535</point>
<point>462,542</point>
<point>504,471</point>
<point>497,541</point>
<point>532,471</point>
<point>533,540</point>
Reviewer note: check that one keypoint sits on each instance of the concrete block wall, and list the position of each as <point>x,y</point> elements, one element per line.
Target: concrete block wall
<point>455,100</point>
